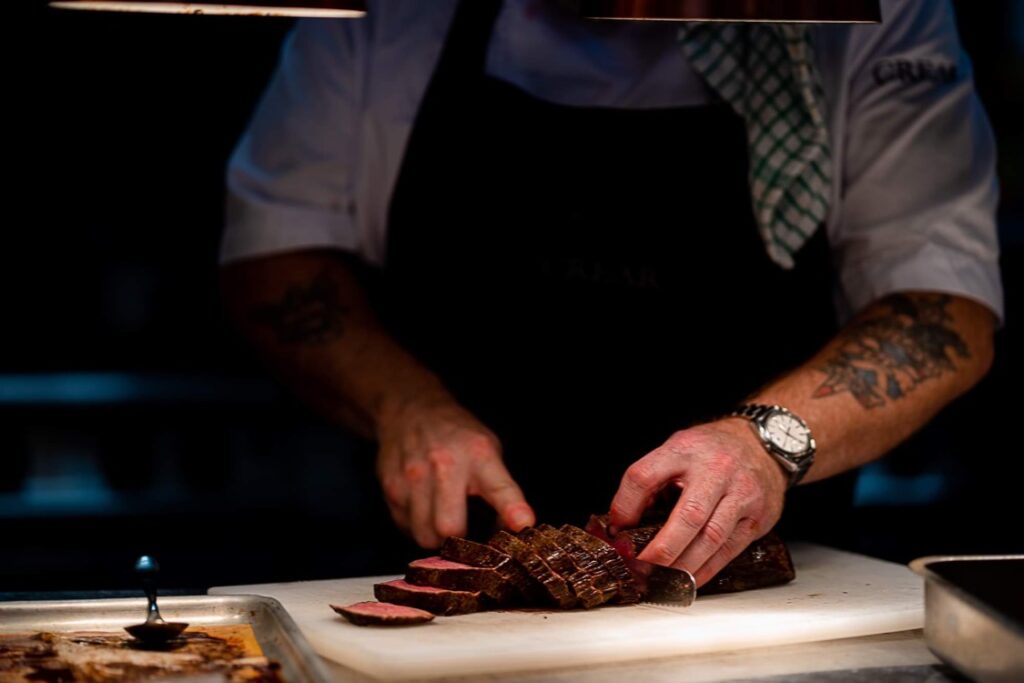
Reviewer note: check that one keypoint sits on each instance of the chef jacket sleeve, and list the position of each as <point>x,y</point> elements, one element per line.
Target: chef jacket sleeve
<point>290,183</point>
<point>919,186</point>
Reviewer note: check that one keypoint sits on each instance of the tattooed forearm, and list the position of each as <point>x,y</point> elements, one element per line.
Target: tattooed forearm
<point>307,314</point>
<point>884,358</point>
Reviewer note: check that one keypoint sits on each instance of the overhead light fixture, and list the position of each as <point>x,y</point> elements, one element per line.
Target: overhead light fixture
<point>332,9</point>
<point>789,11</point>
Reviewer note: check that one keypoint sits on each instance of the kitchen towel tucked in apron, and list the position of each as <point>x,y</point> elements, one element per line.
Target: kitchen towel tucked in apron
<point>588,280</point>
<point>767,73</point>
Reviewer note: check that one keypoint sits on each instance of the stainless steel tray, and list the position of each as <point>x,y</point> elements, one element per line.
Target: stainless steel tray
<point>963,625</point>
<point>275,630</point>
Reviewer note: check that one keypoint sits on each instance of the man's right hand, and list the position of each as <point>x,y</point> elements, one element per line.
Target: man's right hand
<point>433,455</point>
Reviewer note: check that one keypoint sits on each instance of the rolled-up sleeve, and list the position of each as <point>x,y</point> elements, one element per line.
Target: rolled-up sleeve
<point>919,190</point>
<point>290,180</point>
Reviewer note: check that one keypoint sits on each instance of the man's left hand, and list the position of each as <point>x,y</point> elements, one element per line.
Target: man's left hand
<point>732,494</point>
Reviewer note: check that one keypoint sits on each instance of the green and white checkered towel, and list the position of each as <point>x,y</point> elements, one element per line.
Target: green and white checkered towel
<point>767,73</point>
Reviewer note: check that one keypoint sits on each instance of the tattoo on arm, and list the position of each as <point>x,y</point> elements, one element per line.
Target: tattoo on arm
<point>307,314</point>
<point>883,359</point>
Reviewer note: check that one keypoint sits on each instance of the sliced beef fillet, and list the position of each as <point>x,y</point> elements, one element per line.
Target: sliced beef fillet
<point>627,592</point>
<point>554,584</point>
<point>456,576</point>
<point>558,558</point>
<point>655,583</point>
<point>593,585</point>
<point>765,562</point>
<point>382,614</point>
<point>439,601</point>
<point>479,555</point>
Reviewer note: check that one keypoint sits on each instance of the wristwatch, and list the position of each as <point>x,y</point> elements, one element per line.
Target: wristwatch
<point>785,436</point>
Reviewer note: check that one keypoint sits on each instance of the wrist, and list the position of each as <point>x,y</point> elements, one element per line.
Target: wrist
<point>743,430</point>
<point>400,402</point>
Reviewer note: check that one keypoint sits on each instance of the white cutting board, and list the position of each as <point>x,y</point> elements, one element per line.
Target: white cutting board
<point>835,595</point>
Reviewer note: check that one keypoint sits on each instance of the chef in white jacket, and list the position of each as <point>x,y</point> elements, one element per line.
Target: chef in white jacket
<point>557,263</point>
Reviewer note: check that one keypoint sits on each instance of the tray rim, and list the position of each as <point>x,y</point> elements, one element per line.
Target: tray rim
<point>920,566</point>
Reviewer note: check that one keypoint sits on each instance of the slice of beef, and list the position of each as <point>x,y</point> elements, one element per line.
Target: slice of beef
<point>479,555</point>
<point>613,563</point>
<point>655,583</point>
<point>765,562</point>
<point>554,585</point>
<point>558,558</point>
<point>456,576</point>
<point>472,553</point>
<point>599,525</point>
<point>439,601</point>
<point>600,586</point>
<point>382,614</point>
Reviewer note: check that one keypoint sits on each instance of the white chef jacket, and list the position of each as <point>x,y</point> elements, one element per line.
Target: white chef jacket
<point>914,189</point>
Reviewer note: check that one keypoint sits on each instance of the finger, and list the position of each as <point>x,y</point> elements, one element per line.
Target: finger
<point>496,486</point>
<point>450,484</point>
<point>421,503</point>
<point>400,515</point>
<point>396,495</point>
<point>641,482</point>
<point>716,532</point>
<point>698,500</point>
<point>745,533</point>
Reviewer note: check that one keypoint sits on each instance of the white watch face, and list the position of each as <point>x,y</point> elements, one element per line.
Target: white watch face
<point>787,433</point>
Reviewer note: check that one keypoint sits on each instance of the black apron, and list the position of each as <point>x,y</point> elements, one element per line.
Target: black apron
<point>586,280</point>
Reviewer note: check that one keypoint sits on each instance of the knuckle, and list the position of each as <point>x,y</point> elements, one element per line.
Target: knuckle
<point>662,553</point>
<point>683,438</point>
<point>481,445</point>
<point>746,529</point>
<point>715,533</point>
<point>415,470</point>
<point>441,459</point>
<point>642,475</point>
<point>692,513</point>
<point>745,486</point>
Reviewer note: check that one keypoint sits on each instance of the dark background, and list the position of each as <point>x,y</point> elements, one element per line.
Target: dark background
<point>133,420</point>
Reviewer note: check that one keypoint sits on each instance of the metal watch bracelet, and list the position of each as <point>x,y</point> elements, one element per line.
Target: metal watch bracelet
<point>795,468</point>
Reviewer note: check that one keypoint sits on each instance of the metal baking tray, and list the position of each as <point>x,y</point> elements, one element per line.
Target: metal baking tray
<point>974,614</point>
<point>275,630</point>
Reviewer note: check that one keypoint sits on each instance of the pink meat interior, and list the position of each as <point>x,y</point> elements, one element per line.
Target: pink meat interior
<point>383,609</point>
<point>438,563</point>
<point>405,585</point>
